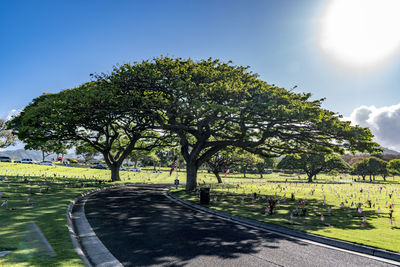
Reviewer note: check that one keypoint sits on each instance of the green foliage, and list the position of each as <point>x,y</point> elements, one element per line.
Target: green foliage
<point>371,166</point>
<point>208,105</point>
<point>394,166</point>
<point>6,136</point>
<point>96,114</point>
<point>312,164</point>
<point>86,151</point>
<point>211,105</point>
<point>147,158</point>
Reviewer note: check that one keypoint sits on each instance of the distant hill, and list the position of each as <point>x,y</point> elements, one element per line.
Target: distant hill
<point>29,154</point>
<point>390,151</point>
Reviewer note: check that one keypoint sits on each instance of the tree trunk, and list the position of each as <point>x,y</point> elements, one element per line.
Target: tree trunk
<point>363,176</point>
<point>115,172</point>
<point>384,177</point>
<point>261,175</point>
<point>370,178</point>
<point>43,155</point>
<point>244,172</point>
<point>191,176</point>
<point>216,173</point>
<point>310,178</point>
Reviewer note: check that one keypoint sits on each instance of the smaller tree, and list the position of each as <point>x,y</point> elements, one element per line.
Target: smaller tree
<point>147,158</point>
<point>219,162</point>
<point>6,136</point>
<point>361,168</point>
<point>377,166</point>
<point>371,166</point>
<point>86,151</point>
<point>394,166</point>
<point>262,163</point>
<point>312,164</point>
<point>246,160</point>
<point>47,147</point>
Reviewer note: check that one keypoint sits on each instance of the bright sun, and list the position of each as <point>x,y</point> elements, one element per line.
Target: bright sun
<point>361,33</point>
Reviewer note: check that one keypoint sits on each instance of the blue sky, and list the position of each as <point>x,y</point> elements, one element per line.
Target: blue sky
<point>47,46</point>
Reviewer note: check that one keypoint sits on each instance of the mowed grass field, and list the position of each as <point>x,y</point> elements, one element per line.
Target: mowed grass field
<point>40,194</point>
<point>332,206</point>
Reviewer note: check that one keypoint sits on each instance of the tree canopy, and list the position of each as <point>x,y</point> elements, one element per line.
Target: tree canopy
<point>394,166</point>
<point>371,166</point>
<point>208,105</point>
<point>312,164</point>
<point>96,114</point>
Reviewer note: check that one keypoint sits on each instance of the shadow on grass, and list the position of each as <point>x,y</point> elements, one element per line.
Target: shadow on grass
<point>347,218</point>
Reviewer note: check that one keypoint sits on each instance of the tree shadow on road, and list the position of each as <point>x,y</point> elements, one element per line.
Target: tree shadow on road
<point>145,228</point>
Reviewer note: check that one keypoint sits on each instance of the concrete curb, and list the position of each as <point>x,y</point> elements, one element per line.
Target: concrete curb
<point>93,253</point>
<point>393,256</point>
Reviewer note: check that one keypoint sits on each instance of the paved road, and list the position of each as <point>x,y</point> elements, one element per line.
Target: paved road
<point>142,227</point>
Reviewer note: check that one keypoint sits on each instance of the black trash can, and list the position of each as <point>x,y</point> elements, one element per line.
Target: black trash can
<point>205,196</point>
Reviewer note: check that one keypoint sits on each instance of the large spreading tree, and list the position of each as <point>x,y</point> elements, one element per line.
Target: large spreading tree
<point>96,114</point>
<point>207,105</point>
<point>210,105</point>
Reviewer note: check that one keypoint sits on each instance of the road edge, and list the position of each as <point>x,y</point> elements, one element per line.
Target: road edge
<point>92,251</point>
<point>362,249</point>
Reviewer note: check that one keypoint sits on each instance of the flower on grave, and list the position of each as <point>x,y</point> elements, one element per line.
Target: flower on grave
<point>379,210</point>
<point>359,210</point>
<point>364,219</point>
<point>330,209</point>
<point>303,205</point>
<point>4,202</point>
<point>342,205</point>
<point>322,217</point>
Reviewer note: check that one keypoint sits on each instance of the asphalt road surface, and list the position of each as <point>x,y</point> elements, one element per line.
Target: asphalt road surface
<point>142,227</point>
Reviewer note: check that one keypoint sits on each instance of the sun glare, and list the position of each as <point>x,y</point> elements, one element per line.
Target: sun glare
<point>361,33</point>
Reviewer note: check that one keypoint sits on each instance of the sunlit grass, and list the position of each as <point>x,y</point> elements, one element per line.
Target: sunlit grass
<point>331,207</point>
<point>50,189</point>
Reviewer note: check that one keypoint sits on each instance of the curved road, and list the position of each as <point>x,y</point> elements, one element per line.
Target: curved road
<point>142,227</point>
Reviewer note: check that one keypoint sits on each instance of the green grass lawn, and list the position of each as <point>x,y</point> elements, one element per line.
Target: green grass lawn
<point>332,208</point>
<point>40,194</point>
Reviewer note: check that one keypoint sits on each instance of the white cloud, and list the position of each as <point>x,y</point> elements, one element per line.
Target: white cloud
<point>384,123</point>
<point>13,113</point>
